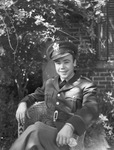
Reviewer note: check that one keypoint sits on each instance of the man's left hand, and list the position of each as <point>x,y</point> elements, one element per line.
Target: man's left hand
<point>64,135</point>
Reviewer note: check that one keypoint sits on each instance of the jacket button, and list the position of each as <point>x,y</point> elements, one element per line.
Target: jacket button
<point>58,95</point>
<point>57,103</point>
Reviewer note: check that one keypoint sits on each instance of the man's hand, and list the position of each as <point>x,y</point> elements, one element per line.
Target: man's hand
<point>21,111</point>
<point>64,135</point>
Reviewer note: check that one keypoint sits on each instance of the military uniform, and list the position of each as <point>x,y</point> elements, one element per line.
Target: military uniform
<point>75,103</point>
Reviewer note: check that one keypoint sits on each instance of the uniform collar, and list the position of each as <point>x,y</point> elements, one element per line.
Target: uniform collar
<point>74,78</point>
<point>69,83</point>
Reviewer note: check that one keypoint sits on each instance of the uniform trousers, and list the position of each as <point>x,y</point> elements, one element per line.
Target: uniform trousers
<point>40,136</point>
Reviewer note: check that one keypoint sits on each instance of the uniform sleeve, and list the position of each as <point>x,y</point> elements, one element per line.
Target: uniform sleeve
<point>38,95</point>
<point>88,113</point>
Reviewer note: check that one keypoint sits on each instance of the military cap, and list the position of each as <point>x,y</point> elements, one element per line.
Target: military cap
<point>60,49</point>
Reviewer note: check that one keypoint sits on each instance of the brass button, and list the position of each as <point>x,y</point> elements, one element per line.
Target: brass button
<point>57,103</point>
<point>58,95</point>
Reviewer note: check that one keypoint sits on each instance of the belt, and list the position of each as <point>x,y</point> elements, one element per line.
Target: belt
<point>61,116</point>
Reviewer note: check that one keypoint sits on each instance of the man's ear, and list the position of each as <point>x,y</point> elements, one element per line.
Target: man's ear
<point>74,62</point>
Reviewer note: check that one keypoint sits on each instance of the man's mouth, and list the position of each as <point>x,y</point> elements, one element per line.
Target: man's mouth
<point>63,72</point>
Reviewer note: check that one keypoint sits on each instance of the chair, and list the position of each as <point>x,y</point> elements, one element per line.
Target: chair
<point>94,137</point>
<point>37,111</point>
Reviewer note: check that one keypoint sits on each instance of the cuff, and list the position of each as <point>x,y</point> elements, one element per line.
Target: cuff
<point>70,126</point>
<point>78,124</point>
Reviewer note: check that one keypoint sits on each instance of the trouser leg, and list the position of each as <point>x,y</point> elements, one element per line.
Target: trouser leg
<point>47,137</point>
<point>28,140</point>
<point>38,137</point>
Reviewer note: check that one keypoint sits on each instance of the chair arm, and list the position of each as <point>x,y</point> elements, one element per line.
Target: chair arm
<point>35,112</point>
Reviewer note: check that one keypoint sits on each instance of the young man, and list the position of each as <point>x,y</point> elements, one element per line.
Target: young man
<point>70,101</point>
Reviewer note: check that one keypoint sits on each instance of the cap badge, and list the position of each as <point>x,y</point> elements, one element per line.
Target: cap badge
<point>55,46</point>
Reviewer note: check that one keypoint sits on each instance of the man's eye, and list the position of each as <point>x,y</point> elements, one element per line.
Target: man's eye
<point>57,62</point>
<point>66,62</point>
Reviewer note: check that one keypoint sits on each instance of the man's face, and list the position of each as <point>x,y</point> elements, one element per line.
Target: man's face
<point>65,67</point>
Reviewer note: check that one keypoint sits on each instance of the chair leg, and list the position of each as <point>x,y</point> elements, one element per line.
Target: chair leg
<point>20,128</point>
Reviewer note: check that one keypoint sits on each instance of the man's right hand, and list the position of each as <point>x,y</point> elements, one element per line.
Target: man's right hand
<point>21,111</point>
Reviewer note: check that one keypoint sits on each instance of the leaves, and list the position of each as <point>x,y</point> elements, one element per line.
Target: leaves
<point>26,29</point>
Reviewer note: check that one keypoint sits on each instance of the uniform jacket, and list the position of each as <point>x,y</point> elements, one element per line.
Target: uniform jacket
<point>75,102</point>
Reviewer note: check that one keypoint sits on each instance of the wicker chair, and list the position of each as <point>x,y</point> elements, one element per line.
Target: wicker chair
<point>36,113</point>
<point>92,139</point>
<point>95,136</point>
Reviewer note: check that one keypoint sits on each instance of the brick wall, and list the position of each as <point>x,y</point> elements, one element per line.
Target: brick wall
<point>103,79</point>
<point>101,72</point>
<point>101,75</point>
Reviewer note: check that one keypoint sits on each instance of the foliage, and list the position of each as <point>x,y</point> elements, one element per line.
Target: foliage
<point>26,29</point>
<point>107,115</point>
<point>8,124</point>
<point>27,25</point>
<point>106,107</point>
<point>45,18</point>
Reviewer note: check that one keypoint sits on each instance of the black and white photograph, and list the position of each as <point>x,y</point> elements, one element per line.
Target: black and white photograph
<point>56,75</point>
